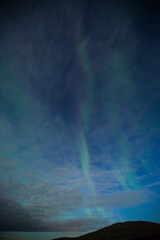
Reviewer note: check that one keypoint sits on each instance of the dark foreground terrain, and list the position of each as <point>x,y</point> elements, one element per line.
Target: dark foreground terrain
<point>124,231</point>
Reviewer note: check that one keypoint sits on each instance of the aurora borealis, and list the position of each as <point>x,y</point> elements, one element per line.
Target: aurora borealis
<point>79,116</point>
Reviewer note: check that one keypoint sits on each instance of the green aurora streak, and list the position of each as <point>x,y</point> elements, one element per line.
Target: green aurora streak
<point>119,79</point>
<point>86,108</point>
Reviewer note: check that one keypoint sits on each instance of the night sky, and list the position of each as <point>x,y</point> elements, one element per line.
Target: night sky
<point>79,116</point>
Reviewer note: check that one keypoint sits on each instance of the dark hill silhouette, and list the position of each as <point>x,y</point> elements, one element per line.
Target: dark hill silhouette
<point>138,230</point>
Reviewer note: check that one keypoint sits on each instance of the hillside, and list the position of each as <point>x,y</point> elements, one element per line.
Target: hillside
<point>138,230</point>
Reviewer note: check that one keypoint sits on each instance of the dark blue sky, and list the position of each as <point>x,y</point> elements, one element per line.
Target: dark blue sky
<point>79,116</point>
